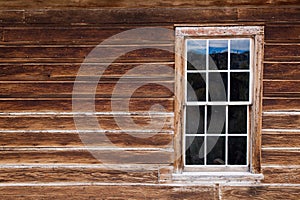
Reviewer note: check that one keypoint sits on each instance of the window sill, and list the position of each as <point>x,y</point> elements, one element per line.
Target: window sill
<point>218,177</point>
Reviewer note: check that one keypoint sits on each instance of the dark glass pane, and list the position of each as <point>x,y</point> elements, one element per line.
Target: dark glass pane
<point>216,118</point>
<point>196,87</point>
<point>237,150</point>
<point>215,150</point>
<point>194,153</point>
<point>239,54</point>
<point>239,86</point>
<point>218,54</point>
<point>196,54</point>
<point>237,119</point>
<point>194,120</point>
<point>217,86</point>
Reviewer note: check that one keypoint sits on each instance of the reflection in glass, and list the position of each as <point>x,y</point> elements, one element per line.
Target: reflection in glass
<point>239,54</point>
<point>217,86</point>
<point>194,119</point>
<point>196,54</point>
<point>239,86</point>
<point>237,152</point>
<point>218,54</point>
<point>216,118</point>
<point>215,150</point>
<point>197,91</point>
<point>237,119</point>
<point>194,154</point>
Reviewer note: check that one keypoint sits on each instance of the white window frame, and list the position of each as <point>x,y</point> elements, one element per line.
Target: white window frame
<point>256,33</point>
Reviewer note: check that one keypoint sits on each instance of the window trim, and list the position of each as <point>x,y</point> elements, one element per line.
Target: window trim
<point>255,111</point>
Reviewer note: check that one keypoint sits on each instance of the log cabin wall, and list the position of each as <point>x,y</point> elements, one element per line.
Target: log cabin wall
<point>42,47</point>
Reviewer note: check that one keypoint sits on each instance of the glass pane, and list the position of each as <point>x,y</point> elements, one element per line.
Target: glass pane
<point>237,150</point>
<point>194,154</point>
<point>237,119</point>
<point>196,87</point>
<point>215,150</point>
<point>194,120</point>
<point>196,54</point>
<point>239,54</point>
<point>216,118</point>
<point>217,86</point>
<point>239,86</point>
<point>218,54</point>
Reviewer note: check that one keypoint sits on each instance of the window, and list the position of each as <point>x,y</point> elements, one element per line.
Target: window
<point>218,107</point>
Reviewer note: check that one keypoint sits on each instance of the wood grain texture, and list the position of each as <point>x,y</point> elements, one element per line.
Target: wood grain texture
<point>9,17</point>
<point>281,175</point>
<point>103,90</point>
<point>280,157</point>
<point>109,192</point>
<point>291,121</point>
<point>76,174</point>
<point>282,71</point>
<point>281,104</point>
<point>259,192</point>
<point>281,139</point>
<point>285,52</point>
<point>59,105</point>
<point>69,71</point>
<point>282,33</point>
<point>107,122</point>
<point>108,139</point>
<point>18,157</point>
<point>281,88</point>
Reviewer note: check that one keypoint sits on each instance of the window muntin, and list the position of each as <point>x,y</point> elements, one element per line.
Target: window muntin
<point>216,104</point>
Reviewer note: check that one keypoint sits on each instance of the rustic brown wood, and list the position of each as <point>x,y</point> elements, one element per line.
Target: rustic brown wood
<point>282,33</point>
<point>104,90</point>
<point>121,139</point>
<point>82,35</point>
<point>77,54</point>
<point>107,122</point>
<point>281,175</point>
<point>281,139</point>
<point>12,17</point>
<point>259,192</point>
<point>69,71</point>
<point>269,14</point>
<point>85,157</point>
<point>282,52</point>
<point>282,88</point>
<point>109,192</point>
<point>76,174</point>
<point>291,121</point>
<point>282,71</point>
<point>280,157</point>
<point>101,105</point>
<point>281,104</point>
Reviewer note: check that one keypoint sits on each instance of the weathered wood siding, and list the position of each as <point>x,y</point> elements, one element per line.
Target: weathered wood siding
<point>42,45</point>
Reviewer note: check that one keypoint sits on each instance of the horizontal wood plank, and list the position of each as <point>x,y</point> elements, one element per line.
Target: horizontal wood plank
<point>69,71</point>
<point>281,104</point>
<point>85,157</point>
<point>282,33</point>
<point>9,17</point>
<point>282,71</point>
<point>76,174</point>
<point>259,192</point>
<point>291,121</point>
<point>281,139</point>
<point>93,139</point>
<point>109,192</point>
<point>105,122</point>
<point>101,105</point>
<point>281,175</point>
<point>281,88</point>
<point>285,52</point>
<point>158,89</point>
<point>280,157</point>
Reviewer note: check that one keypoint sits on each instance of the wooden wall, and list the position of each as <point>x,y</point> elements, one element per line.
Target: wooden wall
<point>42,47</point>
